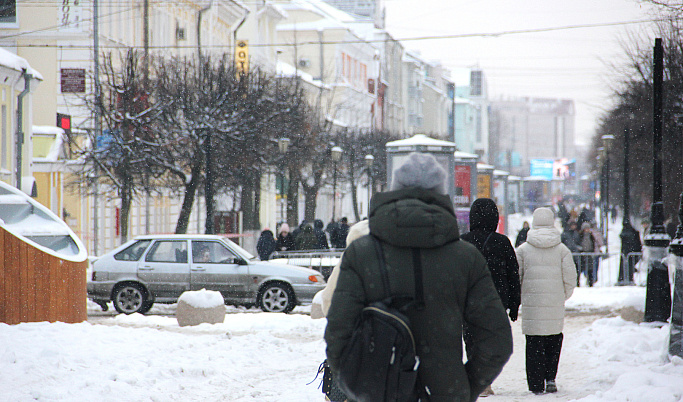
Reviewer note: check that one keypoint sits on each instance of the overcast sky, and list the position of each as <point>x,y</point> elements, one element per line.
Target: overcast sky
<point>569,63</point>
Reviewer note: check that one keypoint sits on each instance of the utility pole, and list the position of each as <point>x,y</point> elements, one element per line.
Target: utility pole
<point>658,299</point>
<point>98,120</point>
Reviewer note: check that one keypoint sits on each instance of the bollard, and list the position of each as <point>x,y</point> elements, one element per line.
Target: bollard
<point>676,263</point>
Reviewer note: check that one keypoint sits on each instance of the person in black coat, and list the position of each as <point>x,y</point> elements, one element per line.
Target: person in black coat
<point>338,237</point>
<point>498,251</point>
<point>320,234</point>
<point>521,235</point>
<point>266,244</point>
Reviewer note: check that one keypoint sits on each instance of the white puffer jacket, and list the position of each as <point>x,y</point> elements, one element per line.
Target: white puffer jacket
<point>548,276</point>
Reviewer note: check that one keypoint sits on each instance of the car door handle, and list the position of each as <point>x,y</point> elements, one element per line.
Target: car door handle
<point>146,268</point>
<point>198,269</point>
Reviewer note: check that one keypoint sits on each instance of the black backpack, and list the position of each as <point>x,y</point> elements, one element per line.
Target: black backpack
<point>380,362</point>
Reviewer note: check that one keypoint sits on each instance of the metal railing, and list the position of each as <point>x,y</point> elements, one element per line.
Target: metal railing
<point>603,269</point>
<point>322,261</point>
<point>604,266</point>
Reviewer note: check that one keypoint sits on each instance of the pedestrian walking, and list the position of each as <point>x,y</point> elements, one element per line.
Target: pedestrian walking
<point>285,240</point>
<point>500,258</point>
<point>320,235</point>
<point>266,244</point>
<point>571,238</point>
<point>548,277</point>
<point>587,246</point>
<point>339,233</point>
<point>416,227</point>
<point>521,235</point>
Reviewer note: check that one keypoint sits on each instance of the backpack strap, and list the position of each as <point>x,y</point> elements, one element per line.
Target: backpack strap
<point>382,267</point>
<point>417,272</point>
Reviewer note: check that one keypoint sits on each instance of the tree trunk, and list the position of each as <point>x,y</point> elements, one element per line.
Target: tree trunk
<point>126,200</point>
<point>250,202</point>
<point>354,197</point>
<point>293,201</point>
<point>188,202</point>
<point>208,188</point>
<point>311,194</point>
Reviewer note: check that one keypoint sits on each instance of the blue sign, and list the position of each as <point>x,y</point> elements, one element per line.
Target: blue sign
<point>541,168</point>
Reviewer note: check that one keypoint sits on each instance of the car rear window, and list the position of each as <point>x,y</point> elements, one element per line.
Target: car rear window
<point>133,252</point>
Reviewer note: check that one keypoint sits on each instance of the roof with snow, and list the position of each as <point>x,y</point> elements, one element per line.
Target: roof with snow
<point>420,140</point>
<point>14,62</point>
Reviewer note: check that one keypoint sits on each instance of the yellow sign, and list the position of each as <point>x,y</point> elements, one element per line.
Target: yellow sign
<point>483,186</point>
<point>242,57</point>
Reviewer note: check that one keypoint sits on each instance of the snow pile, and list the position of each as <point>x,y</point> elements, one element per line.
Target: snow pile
<point>202,298</point>
<point>634,355</point>
<point>606,298</point>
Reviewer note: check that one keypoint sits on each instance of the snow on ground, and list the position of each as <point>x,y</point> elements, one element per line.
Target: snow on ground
<point>256,356</point>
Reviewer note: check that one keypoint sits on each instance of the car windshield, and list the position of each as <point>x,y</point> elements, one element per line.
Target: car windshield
<point>238,250</point>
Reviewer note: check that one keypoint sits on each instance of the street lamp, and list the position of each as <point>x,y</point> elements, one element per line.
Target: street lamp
<point>369,160</point>
<point>336,156</point>
<point>282,144</point>
<point>607,140</point>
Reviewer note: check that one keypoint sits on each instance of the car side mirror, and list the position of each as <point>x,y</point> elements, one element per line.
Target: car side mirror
<point>240,261</point>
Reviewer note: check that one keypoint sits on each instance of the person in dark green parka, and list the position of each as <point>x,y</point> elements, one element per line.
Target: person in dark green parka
<point>457,285</point>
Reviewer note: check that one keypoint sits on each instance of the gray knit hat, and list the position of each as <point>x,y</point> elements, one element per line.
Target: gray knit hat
<point>420,170</point>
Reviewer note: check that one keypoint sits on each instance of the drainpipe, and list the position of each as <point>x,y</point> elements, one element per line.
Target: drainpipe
<point>199,30</point>
<point>246,14</point>
<point>20,123</point>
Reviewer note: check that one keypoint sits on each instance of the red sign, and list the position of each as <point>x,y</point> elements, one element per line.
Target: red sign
<point>462,185</point>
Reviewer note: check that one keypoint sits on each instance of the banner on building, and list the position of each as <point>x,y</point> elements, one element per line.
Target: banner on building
<point>541,168</point>
<point>242,57</point>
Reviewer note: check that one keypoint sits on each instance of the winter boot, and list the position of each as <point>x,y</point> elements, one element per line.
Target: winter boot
<point>550,386</point>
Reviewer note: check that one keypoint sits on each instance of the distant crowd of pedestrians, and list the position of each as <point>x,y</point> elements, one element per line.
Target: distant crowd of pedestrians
<point>307,236</point>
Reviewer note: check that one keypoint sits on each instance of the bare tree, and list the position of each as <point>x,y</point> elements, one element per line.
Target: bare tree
<point>129,115</point>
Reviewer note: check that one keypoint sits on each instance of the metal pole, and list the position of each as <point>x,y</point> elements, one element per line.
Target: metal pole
<point>98,120</point>
<point>676,249</point>
<point>658,299</point>
<point>334,191</point>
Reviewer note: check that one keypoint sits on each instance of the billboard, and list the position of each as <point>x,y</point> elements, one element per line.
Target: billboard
<point>462,185</point>
<point>541,168</point>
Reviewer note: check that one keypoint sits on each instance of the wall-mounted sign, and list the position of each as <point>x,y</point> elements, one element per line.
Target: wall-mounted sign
<point>73,80</point>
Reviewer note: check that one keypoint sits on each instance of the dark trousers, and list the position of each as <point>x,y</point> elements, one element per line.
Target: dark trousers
<point>542,358</point>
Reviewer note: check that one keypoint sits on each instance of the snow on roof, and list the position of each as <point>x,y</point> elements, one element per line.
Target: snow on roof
<point>14,62</point>
<point>289,70</point>
<point>481,165</point>
<point>36,225</point>
<point>420,139</point>
<point>56,147</point>
<point>465,155</point>
<point>319,25</point>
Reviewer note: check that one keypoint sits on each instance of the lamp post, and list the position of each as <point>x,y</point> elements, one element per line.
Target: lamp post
<point>283,145</point>
<point>336,156</point>
<point>607,143</point>
<point>369,160</point>
<point>601,162</point>
<point>658,293</point>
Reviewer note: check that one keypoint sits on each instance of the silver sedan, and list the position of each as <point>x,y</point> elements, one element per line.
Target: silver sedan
<point>159,268</point>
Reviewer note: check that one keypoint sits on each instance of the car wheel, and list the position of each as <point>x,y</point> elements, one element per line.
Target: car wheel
<point>131,298</point>
<point>276,298</point>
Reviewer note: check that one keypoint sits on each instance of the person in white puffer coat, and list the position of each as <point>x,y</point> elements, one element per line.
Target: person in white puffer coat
<point>548,276</point>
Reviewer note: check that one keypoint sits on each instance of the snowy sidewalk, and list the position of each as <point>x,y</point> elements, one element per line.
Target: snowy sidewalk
<point>260,357</point>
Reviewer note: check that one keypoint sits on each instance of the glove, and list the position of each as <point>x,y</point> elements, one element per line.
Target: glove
<point>513,314</point>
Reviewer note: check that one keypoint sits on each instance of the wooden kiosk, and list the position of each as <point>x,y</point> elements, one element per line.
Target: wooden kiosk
<point>42,263</point>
